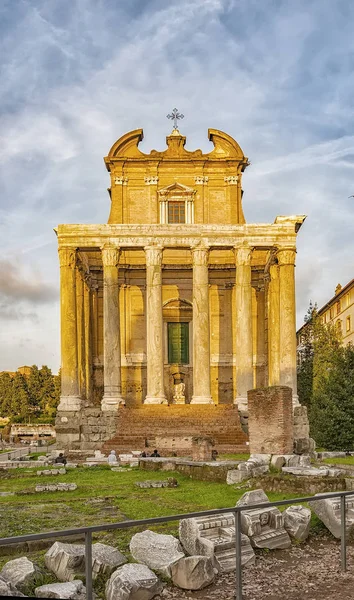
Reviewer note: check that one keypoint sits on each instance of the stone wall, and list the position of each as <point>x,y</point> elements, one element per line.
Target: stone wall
<point>270,420</point>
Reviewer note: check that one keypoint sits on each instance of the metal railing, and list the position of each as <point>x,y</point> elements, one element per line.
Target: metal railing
<point>236,510</point>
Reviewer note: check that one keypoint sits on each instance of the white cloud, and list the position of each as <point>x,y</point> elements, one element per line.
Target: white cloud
<point>77,75</point>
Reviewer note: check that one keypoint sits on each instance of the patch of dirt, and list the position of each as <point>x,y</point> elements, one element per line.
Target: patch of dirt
<point>309,572</point>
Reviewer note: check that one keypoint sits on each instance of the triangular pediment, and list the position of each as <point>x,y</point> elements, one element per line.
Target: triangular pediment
<point>176,189</point>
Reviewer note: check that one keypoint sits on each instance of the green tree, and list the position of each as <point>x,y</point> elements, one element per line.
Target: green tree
<point>332,411</point>
<point>20,397</point>
<point>5,395</point>
<point>34,385</point>
<point>48,402</point>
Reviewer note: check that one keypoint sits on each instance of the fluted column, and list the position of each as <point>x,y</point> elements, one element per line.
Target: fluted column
<point>273,326</point>
<point>112,396</point>
<point>243,315</point>
<point>287,319</point>
<point>201,327</point>
<point>154,330</point>
<point>69,399</point>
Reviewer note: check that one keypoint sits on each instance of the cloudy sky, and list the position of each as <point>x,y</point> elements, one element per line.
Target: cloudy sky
<point>76,74</point>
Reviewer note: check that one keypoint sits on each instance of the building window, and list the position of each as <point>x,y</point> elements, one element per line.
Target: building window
<point>331,313</point>
<point>176,212</point>
<point>348,323</point>
<point>339,325</point>
<point>178,343</point>
<point>338,307</point>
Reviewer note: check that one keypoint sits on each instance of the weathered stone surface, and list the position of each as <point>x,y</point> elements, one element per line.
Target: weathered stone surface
<point>133,582</point>
<point>52,472</point>
<point>105,559</point>
<point>56,487</point>
<point>235,476</point>
<point>264,526</point>
<point>328,511</point>
<point>193,572</point>
<point>215,537</point>
<point>65,560</point>
<point>331,454</point>
<point>71,590</point>
<point>297,522</point>
<point>306,471</point>
<point>270,420</point>
<point>278,461</point>
<point>68,560</point>
<point>153,483</point>
<point>304,445</point>
<point>19,572</point>
<point>7,589</point>
<point>157,551</point>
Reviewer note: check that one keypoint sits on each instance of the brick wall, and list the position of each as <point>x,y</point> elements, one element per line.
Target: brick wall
<point>270,420</point>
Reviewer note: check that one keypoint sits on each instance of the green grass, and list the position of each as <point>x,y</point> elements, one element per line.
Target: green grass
<point>233,456</point>
<point>347,460</point>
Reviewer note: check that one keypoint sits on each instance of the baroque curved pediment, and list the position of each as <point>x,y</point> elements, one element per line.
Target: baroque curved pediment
<point>225,147</point>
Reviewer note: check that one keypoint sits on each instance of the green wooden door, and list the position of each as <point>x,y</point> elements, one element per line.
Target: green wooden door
<point>178,343</point>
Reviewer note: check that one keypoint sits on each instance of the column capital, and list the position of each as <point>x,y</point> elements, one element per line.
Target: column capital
<point>243,255</point>
<point>67,257</point>
<point>110,255</point>
<point>200,255</point>
<point>286,256</point>
<point>153,255</point>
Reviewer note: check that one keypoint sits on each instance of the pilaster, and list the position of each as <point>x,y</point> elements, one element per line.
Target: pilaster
<point>243,314</point>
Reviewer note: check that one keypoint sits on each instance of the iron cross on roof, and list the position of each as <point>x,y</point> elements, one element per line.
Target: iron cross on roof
<point>176,116</point>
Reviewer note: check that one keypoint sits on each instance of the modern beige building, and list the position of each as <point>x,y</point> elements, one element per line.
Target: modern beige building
<point>176,300</point>
<point>339,310</point>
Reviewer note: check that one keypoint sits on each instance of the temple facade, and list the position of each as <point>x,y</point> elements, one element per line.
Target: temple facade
<point>176,301</point>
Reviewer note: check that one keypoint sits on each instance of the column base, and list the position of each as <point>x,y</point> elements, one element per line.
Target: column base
<point>155,400</point>
<point>69,403</point>
<point>295,400</point>
<point>202,400</point>
<point>242,404</point>
<point>110,403</point>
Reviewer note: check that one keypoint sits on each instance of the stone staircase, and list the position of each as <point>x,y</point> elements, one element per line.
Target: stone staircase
<point>170,428</point>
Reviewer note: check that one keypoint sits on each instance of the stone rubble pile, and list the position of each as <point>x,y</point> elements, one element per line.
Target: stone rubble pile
<point>168,483</point>
<point>61,471</point>
<point>57,487</point>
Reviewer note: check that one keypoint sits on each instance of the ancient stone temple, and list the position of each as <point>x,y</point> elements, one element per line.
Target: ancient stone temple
<point>176,307</point>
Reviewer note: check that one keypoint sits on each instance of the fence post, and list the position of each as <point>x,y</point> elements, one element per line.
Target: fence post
<point>88,564</point>
<point>343,536</point>
<point>238,572</point>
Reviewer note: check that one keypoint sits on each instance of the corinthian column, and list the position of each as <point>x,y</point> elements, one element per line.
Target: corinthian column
<point>287,319</point>
<point>154,333</point>
<point>243,314</point>
<point>201,328</point>
<point>273,326</point>
<point>112,396</point>
<point>69,399</point>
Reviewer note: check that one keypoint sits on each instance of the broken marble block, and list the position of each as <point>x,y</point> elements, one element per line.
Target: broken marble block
<point>71,590</point>
<point>68,560</point>
<point>7,589</point>
<point>193,572</point>
<point>19,572</point>
<point>65,560</point>
<point>105,559</point>
<point>329,512</point>
<point>264,526</point>
<point>306,471</point>
<point>157,551</point>
<point>297,522</point>
<point>215,537</point>
<point>133,582</point>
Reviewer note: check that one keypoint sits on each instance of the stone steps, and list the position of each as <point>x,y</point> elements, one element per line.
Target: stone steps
<point>177,424</point>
